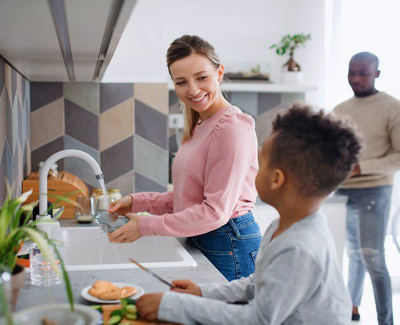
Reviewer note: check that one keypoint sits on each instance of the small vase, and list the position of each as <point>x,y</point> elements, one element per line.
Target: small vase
<point>292,77</point>
<point>17,281</point>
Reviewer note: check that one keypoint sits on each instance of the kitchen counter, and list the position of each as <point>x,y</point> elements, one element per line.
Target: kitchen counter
<point>205,272</point>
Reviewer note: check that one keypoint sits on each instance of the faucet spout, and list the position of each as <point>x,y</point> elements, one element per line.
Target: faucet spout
<point>50,161</point>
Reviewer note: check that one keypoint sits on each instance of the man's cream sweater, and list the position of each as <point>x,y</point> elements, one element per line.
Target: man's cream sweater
<point>378,120</point>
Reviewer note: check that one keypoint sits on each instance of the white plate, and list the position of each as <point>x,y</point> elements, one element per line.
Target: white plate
<point>139,292</point>
<point>56,312</point>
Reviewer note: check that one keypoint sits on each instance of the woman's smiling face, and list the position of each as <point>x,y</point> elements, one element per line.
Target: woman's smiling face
<point>196,81</point>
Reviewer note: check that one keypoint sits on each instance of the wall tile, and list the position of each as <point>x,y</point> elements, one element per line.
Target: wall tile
<point>116,124</point>
<point>8,82</point>
<point>125,183</point>
<point>78,166</point>
<point>111,94</point>
<point>42,153</point>
<point>28,162</point>
<point>84,94</point>
<point>15,111</point>
<point>151,161</point>
<point>2,74</point>
<point>20,120</point>
<point>151,124</point>
<point>117,160</point>
<point>47,123</point>
<point>13,84</point>
<point>145,93</point>
<point>25,123</point>
<point>43,93</point>
<point>143,184</point>
<point>5,171</point>
<point>3,119</point>
<point>7,159</point>
<point>81,124</point>
<point>9,119</point>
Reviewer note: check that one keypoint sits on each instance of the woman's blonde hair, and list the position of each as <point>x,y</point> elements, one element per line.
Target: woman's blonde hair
<point>179,49</point>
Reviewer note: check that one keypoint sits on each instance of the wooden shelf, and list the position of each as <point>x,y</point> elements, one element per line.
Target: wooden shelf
<point>260,87</point>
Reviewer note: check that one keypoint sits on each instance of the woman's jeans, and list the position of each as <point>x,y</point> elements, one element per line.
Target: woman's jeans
<point>367,217</point>
<point>232,248</point>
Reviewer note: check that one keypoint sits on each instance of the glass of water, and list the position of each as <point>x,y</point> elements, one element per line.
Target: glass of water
<point>42,274</point>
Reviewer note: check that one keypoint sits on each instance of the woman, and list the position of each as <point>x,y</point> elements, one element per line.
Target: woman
<point>213,172</point>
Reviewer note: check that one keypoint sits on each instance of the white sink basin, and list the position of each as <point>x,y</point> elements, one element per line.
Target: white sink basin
<point>87,249</point>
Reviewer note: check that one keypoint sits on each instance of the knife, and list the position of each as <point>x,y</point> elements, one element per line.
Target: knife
<point>153,274</point>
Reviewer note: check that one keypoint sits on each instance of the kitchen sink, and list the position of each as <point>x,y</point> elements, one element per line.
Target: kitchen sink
<point>88,249</point>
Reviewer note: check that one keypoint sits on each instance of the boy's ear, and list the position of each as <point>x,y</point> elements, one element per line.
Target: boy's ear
<point>278,179</point>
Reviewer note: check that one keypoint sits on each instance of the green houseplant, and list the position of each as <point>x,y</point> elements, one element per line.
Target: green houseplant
<point>288,44</point>
<point>14,230</point>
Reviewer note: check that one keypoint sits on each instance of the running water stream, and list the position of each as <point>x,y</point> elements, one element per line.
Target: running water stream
<point>103,238</point>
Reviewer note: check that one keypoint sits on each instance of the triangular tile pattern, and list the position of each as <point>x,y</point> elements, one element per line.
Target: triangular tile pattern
<point>116,124</point>
<point>81,124</point>
<point>112,94</point>
<point>146,118</point>
<point>13,136</point>
<point>145,93</point>
<point>83,94</point>
<point>43,93</point>
<point>47,123</point>
<point>100,119</point>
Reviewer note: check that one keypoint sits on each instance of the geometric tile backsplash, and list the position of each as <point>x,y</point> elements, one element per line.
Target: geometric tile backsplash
<point>120,125</point>
<point>14,129</point>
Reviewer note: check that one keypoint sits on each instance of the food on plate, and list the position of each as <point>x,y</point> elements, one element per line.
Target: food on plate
<point>107,291</point>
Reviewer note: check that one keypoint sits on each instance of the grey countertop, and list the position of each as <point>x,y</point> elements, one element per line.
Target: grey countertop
<point>205,272</point>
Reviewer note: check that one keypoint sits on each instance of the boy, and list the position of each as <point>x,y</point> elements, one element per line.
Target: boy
<point>297,278</point>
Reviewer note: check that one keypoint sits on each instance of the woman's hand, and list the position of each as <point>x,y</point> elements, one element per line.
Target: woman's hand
<point>122,206</point>
<point>129,232</point>
<point>148,305</point>
<point>187,286</point>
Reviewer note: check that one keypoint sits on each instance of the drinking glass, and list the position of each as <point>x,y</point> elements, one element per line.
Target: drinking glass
<point>86,211</point>
<point>42,274</point>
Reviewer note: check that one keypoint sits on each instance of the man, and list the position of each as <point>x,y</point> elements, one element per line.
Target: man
<point>377,116</point>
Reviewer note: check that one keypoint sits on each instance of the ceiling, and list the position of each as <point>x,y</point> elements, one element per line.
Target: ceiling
<point>29,39</point>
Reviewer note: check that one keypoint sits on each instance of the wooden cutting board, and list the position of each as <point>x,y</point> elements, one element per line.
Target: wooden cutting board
<point>107,309</point>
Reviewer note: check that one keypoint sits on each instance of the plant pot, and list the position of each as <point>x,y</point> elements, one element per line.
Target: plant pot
<point>17,281</point>
<point>292,77</point>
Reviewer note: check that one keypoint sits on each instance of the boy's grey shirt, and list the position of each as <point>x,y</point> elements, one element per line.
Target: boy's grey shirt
<point>297,281</point>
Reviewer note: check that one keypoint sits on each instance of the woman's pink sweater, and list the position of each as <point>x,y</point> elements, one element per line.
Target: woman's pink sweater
<point>213,176</point>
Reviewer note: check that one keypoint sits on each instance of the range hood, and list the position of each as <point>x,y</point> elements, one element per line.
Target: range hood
<point>62,40</point>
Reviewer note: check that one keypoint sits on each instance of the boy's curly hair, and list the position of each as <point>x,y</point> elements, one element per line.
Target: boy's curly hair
<point>318,151</point>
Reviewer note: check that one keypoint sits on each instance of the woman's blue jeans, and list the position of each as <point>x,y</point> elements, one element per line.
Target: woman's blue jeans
<point>367,217</point>
<point>232,248</point>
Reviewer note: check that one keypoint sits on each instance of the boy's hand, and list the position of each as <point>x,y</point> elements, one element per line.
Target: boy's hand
<point>148,305</point>
<point>187,286</point>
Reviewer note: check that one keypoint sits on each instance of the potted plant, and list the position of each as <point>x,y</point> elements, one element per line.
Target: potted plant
<point>14,230</point>
<point>288,44</point>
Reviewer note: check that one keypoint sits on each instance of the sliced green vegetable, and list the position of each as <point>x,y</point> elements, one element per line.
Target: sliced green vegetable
<point>131,316</point>
<point>114,320</point>
<point>117,312</point>
<point>131,309</point>
<point>98,308</point>
<point>128,301</point>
